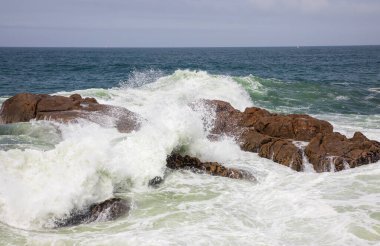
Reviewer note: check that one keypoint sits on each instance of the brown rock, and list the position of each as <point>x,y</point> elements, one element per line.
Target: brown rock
<point>271,135</point>
<point>226,119</point>
<point>176,161</point>
<point>255,131</point>
<point>299,127</point>
<point>284,152</point>
<point>56,103</point>
<point>24,107</point>
<point>20,108</point>
<point>76,97</point>
<point>336,151</point>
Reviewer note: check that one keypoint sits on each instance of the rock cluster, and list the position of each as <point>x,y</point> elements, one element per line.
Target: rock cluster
<point>273,136</point>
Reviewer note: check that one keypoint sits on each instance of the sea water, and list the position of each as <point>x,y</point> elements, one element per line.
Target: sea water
<point>48,169</point>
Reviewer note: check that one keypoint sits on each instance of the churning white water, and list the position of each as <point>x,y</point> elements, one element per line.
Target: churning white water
<point>48,169</point>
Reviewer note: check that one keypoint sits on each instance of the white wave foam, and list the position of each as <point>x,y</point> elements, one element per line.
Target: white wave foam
<point>86,167</point>
<point>140,78</point>
<point>92,162</point>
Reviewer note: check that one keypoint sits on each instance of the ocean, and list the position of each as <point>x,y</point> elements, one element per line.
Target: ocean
<point>49,169</point>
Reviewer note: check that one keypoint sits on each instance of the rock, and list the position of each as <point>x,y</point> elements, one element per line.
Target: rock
<point>156,181</point>
<point>227,118</point>
<point>24,107</point>
<point>335,152</point>
<point>284,152</point>
<point>299,127</point>
<point>176,161</point>
<point>272,135</point>
<point>57,103</point>
<point>278,150</point>
<point>110,209</point>
<point>231,121</point>
<point>19,108</point>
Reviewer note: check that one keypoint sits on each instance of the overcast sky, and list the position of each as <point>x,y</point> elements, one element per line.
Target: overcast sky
<point>172,23</point>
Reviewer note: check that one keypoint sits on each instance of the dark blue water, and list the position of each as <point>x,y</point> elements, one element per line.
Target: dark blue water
<point>315,79</point>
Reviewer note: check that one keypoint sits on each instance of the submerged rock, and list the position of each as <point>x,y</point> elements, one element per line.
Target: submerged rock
<point>25,107</point>
<point>110,209</point>
<point>156,181</point>
<point>176,161</point>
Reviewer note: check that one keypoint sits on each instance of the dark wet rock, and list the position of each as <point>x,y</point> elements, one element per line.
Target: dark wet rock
<point>156,181</point>
<point>24,107</point>
<point>110,209</point>
<point>336,151</point>
<point>176,161</point>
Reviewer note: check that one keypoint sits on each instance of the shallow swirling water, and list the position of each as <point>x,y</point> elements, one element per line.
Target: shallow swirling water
<point>48,169</point>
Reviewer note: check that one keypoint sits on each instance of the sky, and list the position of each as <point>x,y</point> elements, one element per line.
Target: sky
<point>188,23</point>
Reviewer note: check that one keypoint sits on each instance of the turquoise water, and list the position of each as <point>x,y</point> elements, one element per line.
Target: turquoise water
<point>49,169</point>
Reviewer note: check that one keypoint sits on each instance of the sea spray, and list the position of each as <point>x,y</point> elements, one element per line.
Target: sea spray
<point>90,163</point>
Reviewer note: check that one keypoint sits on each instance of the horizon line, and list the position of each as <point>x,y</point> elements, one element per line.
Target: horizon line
<point>190,47</point>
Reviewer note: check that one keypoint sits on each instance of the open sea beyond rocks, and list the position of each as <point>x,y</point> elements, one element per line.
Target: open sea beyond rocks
<point>48,169</point>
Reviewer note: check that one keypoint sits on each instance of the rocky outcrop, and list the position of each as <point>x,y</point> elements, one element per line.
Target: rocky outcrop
<point>110,209</point>
<point>230,121</point>
<point>272,136</point>
<point>257,130</point>
<point>176,161</point>
<point>25,107</point>
<point>335,152</point>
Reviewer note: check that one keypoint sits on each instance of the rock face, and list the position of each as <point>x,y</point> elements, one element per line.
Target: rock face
<point>337,152</point>
<point>272,136</point>
<point>24,107</point>
<point>110,209</point>
<point>19,108</point>
<point>279,150</point>
<point>176,161</point>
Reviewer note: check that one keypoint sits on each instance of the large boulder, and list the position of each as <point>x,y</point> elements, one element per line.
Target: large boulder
<point>19,108</point>
<point>335,152</point>
<point>176,161</point>
<point>110,209</point>
<point>24,107</point>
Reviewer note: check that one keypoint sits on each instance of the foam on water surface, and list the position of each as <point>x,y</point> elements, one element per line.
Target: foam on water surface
<point>89,163</point>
